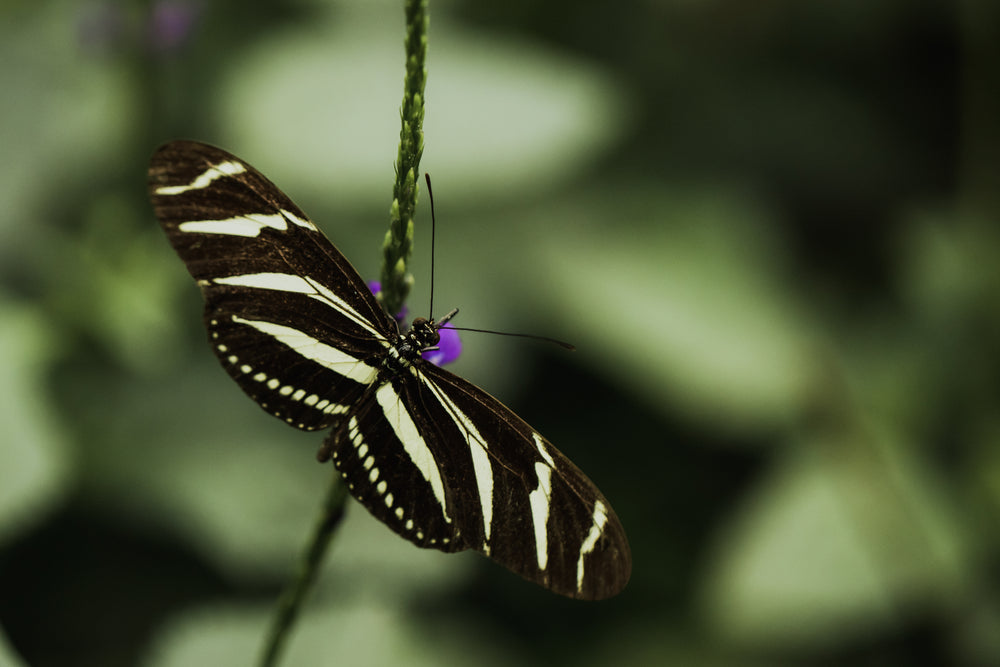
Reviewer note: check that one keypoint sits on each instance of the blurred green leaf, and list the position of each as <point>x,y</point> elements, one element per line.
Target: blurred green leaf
<point>121,283</point>
<point>358,633</point>
<point>503,115</point>
<point>684,299</point>
<point>847,537</point>
<point>69,117</point>
<point>948,268</point>
<point>8,656</point>
<point>34,458</point>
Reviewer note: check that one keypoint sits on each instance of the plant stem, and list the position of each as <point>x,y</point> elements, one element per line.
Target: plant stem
<point>396,282</point>
<point>293,597</point>
<point>398,244</point>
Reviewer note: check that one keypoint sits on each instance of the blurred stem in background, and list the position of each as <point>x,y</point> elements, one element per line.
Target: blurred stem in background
<point>396,283</point>
<point>291,600</point>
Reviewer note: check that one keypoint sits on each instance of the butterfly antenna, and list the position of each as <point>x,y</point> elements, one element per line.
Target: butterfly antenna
<point>560,343</point>
<point>430,195</point>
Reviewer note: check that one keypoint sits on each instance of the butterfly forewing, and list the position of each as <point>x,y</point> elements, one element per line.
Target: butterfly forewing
<point>269,275</point>
<point>519,501</point>
<point>435,458</point>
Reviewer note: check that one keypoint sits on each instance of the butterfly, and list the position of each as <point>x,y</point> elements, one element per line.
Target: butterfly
<point>435,458</point>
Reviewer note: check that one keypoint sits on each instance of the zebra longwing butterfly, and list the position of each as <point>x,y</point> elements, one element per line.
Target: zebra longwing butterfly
<point>438,460</point>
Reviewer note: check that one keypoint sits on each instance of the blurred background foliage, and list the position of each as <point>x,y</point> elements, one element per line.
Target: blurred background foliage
<point>770,228</point>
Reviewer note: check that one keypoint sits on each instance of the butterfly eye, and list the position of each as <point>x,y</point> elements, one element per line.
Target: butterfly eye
<point>448,348</point>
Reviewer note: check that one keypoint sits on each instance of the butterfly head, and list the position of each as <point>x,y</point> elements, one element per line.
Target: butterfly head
<point>424,336</point>
<point>424,333</point>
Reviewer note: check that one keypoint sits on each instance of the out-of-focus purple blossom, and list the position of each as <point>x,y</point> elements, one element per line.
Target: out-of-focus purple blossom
<point>171,23</point>
<point>105,26</point>
<point>449,347</point>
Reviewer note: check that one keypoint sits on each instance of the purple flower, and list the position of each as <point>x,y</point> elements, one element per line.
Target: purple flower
<point>171,24</point>
<point>449,347</point>
<point>104,26</point>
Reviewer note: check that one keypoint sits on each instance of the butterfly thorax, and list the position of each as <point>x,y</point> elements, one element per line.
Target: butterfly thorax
<point>423,335</point>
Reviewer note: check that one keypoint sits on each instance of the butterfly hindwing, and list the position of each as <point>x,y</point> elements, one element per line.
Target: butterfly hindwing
<point>396,471</point>
<point>473,475</point>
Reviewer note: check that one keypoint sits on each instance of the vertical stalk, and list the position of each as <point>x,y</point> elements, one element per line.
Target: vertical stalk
<point>396,282</point>
<point>398,244</point>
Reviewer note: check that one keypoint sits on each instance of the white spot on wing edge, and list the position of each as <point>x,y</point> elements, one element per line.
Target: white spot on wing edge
<point>600,519</point>
<point>413,443</point>
<point>540,499</point>
<point>205,178</point>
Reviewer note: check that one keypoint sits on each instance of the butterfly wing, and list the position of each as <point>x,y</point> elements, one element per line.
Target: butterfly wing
<point>448,466</point>
<point>437,459</point>
<point>268,274</point>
